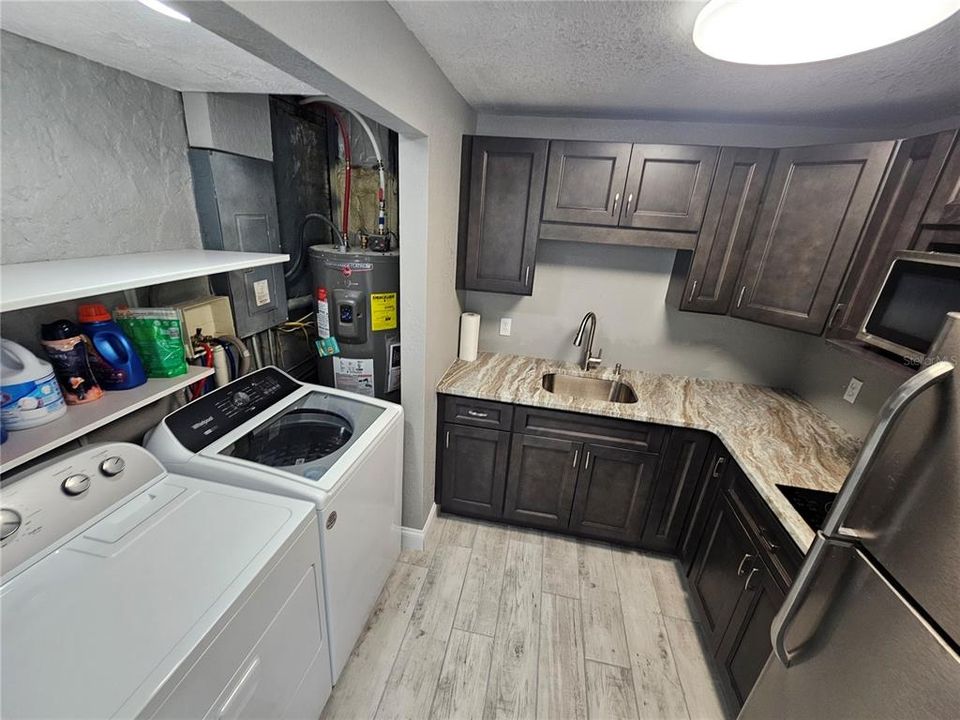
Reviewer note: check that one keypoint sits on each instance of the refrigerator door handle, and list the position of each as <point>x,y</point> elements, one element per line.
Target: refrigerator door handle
<point>797,594</point>
<point>891,410</point>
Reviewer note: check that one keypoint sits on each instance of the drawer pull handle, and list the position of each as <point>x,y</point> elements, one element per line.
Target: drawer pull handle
<point>743,564</point>
<point>740,296</point>
<point>576,456</point>
<point>771,546</point>
<point>586,462</point>
<point>447,442</point>
<point>693,291</point>
<point>616,200</point>
<point>718,463</point>
<point>476,414</point>
<point>746,585</point>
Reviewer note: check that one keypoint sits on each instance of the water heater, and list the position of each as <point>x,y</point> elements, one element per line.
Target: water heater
<point>357,296</point>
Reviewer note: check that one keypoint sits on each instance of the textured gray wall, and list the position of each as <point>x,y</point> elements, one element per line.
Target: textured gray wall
<point>94,159</point>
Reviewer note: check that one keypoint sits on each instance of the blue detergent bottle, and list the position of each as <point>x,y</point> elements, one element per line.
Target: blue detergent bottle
<point>115,363</point>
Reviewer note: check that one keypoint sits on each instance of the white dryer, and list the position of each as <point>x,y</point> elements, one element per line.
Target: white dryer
<point>130,592</point>
<point>342,451</point>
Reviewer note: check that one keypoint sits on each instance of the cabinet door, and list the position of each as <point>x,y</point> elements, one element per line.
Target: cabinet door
<point>813,212</point>
<point>674,492</point>
<point>944,207</point>
<point>613,491</point>
<point>585,182</point>
<point>746,644</point>
<point>715,468</point>
<point>506,189</point>
<point>731,212</point>
<point>474,470</point>
<point>906,192</point>
<point>667,187</point>
<point>541,481</point>
<point>723,559</point>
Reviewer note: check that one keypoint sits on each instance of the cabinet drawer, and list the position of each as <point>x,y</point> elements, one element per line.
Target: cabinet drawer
<point>779,551</point>
<point>589,428</point>
<point>479,413</point>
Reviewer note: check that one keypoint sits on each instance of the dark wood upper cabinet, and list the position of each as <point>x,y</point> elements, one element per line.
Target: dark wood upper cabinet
<point>667,187</point>
<point>709,278</point>
<point>474,470</point>
<point>941,222</point>
<point>677,482</point>
<point>811,219</point>
<point>505,195</point>
<point>585,182</point>
<point>613,491</point>
<point>725,557</point>
<point>917,164</point>
<point>541,481</point>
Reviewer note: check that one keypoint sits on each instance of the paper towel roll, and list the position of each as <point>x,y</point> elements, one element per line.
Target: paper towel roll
<point>469,335</point>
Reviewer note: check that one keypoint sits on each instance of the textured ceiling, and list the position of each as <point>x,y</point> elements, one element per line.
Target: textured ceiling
<point>637,59</point>
<point>129,36</point>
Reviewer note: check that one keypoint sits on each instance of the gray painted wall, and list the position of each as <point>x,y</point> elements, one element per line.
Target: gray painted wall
<point>94,159</point>
<point>626,287</point>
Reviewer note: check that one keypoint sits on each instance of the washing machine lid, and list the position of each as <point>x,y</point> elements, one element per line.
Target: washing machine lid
<point>97,627</point>
<point>307,436</point>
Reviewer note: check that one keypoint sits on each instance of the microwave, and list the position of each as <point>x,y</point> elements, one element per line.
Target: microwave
<point>919,290</point>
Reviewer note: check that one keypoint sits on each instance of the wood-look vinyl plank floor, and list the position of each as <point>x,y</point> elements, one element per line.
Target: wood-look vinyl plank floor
<point>490,621</point>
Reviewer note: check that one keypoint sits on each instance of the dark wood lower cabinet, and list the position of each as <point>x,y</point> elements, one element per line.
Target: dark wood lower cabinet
<point>718,461</point>
<point>474,470</point>
<point>746,644</point>
<point>718,573</point>
<point>676,486</point>
<point>541,481</point>
<point>613,489</point>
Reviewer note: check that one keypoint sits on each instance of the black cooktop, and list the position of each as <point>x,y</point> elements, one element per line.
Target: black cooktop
<point>812,505</point>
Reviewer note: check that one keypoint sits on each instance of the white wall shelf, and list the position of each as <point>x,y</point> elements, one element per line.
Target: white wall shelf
<point>25,445</point>
<point>25,285</point>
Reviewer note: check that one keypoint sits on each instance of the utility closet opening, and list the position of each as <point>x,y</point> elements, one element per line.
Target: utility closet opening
<point>336,179</point>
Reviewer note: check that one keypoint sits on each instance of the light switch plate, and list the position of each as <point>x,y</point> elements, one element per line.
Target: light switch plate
<point>853,389</point>
<point>505,326</point>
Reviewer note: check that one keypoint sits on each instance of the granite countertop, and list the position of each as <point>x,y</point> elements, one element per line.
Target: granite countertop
<point>773,435</point>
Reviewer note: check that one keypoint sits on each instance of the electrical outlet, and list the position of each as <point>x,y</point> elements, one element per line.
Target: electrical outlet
<point>853,389</point>
<point>505,326</point>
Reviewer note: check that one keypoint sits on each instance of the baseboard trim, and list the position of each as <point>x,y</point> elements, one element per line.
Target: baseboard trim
<point>413,538</point>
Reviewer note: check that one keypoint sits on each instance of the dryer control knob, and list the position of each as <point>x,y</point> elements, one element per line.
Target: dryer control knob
<point>76,484</point>
<point>9,523</point>
<point>113,466</point>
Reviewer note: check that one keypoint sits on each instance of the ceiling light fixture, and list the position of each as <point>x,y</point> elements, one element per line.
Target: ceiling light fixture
<point>164,10</point>
<point>787,32</point>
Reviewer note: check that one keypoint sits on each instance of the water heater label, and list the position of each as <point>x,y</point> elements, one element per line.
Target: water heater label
<point>323,314</point>
<point>354,375</point>
<point>383,311</point>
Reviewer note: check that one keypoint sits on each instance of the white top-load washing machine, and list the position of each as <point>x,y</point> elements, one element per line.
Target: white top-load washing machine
<point>342,451</point>
<point>130,592</point>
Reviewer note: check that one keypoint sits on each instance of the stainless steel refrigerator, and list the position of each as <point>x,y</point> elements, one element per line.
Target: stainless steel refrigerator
<point>871,626</point>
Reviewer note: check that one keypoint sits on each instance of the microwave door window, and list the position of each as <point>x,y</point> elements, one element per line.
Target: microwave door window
<point>911,308</point>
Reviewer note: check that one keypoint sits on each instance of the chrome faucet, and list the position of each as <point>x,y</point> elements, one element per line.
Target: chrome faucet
<point>589,362</point>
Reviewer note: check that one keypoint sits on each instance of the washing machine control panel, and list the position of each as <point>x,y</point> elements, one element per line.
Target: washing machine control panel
<point>212,416</point>
<point>44,505</point>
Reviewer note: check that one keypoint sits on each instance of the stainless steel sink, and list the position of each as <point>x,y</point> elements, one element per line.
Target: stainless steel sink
<point>589,388</point>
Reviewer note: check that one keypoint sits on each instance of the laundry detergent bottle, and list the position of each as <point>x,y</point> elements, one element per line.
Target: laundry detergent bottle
<point>66,347</point>
<point>29,389</point>
<point>115,363</point>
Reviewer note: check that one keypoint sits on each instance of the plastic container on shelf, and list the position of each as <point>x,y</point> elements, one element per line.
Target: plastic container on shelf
<point>158,338</point>
<point>30,393</point>
<point>64,344</point>
<point>115,363</point>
